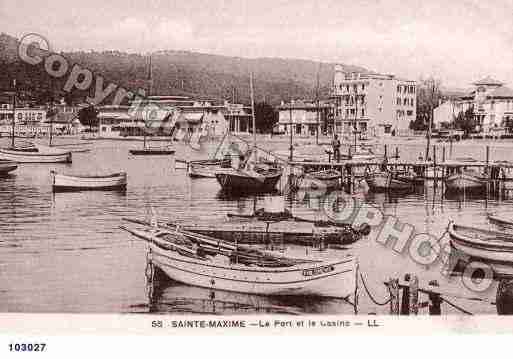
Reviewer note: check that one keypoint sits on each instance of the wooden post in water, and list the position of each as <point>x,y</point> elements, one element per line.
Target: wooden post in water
<point>405,299</point>
<point>434,299</point>
<point>393,286</point>
<point>414,295</point>
<point>434,166</point>
<point>487,171</point>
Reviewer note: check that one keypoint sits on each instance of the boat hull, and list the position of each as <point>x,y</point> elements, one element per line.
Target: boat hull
<point>205,169</point>
<point>7,167</point>
<point>36,157</point>
<point>239,182</point>
<point>497,253</point>
<point>321,179</point>
<point>149,152</point>
<point>328,279</point>
<point>464,182</point>
<point>62,183</point>
<point>382,181</point>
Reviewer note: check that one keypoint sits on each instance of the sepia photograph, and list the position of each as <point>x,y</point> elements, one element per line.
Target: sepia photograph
<point>241,160</point>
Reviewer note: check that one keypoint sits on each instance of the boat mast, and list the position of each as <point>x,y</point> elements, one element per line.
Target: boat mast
<point>51,118</point>
<point>317,98</point>
<point>253,113</point>
<point>355,114</point>
<point>150,89</point>
<point>13,113</point>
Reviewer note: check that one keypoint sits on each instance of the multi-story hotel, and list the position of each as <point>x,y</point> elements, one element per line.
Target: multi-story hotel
<point>492,104</point>
<point>374,103</point>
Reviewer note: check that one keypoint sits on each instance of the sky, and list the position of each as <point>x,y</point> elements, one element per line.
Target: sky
<point>457,41</point>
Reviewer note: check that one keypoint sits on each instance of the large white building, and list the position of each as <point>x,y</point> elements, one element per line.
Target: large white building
<point>377,103</point>
<point>492,103</point>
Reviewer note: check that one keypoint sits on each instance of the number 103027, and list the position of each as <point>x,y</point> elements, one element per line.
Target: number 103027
<point>27,347</point>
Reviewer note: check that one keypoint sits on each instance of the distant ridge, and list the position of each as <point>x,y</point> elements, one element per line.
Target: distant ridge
<point>183,73</point>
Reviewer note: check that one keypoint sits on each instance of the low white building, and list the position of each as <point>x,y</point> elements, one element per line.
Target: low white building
<point>305,118</point>
<point>492,103</point>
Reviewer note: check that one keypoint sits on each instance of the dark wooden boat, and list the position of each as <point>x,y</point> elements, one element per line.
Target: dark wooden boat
<point>7,167</point>
<point>389,181</point>
<point>153,151</point>
<point>261,178</point>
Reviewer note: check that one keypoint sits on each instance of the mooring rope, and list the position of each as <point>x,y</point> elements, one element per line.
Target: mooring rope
<point>371,296</point>
<point>456,306</point>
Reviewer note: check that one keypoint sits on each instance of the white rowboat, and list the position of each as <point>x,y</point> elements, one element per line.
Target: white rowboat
<point>40,154</point>
<point>186,264</point>
<point>489,247</point>
<point>61,182</point>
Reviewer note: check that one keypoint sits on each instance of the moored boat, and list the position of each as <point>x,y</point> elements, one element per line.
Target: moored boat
<point>501,219</point>
<point>62,182</point>
<point>490,247</point>
<point>387,181</point>
<point>203,261</point>
<point>320,179</point>
<point>465,180</point>
<point>37,154</point>
<point>7,167</point>
<point>206,168</point>
<point>152,151</point>
<point>261,178</point>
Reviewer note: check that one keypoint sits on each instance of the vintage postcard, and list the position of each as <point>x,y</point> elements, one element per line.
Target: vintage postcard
<point>301,167</point>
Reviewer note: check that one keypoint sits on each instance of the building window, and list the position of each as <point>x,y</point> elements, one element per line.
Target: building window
<point>405,101</point>
<point>399,88</point>
<point>363,112</point>
<point>363,87</point>
<point>409,112</point>
<point>399,101</point>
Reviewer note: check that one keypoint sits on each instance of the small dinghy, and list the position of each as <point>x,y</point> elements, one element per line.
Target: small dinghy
<point>206,168</point>
<point>490,247</point>
<point>7,167</point>
<point>62,182</point>
<point>203,261</point>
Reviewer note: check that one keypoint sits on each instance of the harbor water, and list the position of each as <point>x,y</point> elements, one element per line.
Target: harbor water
<point>65,252</point>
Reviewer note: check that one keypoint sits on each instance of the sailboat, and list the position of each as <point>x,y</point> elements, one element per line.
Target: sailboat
<point>252,176</point>
<point>146,150</point>
<point>32,153</point>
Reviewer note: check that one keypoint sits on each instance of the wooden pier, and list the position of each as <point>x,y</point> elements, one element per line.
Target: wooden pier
<point>351,170</point>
